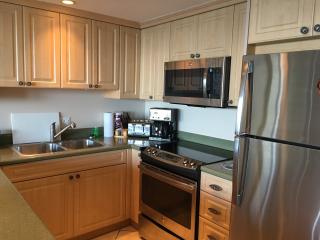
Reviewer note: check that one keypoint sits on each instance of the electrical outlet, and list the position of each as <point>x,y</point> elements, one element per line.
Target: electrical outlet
<point>66,120</point>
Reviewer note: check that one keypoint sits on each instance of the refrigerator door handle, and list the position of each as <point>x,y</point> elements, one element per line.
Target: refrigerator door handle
<point>241,148</point>
<point>244,104</point>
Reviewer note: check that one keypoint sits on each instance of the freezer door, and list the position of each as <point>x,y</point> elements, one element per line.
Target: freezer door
<point>280,196</point>
<point>281,97</point>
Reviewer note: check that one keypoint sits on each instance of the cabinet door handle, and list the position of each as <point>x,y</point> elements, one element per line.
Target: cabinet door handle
<point>71,177</point>
<point>214,211</point>
<point>90,86</point>
<point>77,176</point>
<point>216,187</point>
<point>21,83</point>
<point>192,55</point>
<point>230,101</point>
<point>198,55</point>
<point>210,237</point>
<point>304,30</point>
<point>29,84</point>
<point>316,28</point>
<point>150,97</point>
<point>96,86</point>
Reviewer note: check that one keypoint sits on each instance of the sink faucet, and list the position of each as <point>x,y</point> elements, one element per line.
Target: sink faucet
<point>54,135</point>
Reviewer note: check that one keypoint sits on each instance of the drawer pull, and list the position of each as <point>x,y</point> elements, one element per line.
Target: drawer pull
<point>215,187</point>
<point>214,211</point>
<point>210,237</point>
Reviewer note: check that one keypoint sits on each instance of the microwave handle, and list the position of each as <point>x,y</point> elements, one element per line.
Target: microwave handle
<point>204,84</point>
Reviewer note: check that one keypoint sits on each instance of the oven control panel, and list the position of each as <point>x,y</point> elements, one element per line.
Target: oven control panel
<point>171,158</point>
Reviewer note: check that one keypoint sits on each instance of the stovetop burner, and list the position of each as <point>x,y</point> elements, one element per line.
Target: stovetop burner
<point>228,165</point>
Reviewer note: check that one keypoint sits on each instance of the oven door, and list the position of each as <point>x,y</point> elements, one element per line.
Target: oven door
<point>169,200</point>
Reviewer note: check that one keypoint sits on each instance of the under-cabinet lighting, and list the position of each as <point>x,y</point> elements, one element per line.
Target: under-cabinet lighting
<point>68,2</point>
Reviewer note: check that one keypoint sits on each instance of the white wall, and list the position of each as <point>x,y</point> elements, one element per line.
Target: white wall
<point>213,122</point>
<point>84,107</point>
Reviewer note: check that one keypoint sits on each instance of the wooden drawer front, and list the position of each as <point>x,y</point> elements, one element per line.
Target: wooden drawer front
<point>215,209</point>
<point>211,231</point>
<point>216,186</point>
<point>46,168</point>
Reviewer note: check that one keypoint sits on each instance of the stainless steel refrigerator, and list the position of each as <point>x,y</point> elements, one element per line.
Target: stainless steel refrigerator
<point>276,182</point>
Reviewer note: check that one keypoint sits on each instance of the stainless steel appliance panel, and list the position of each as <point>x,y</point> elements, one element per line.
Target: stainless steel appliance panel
<point>278,192</point>
<point>280,97</point>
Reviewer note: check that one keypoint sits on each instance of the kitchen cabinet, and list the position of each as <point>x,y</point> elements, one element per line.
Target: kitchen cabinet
<point>154,53</point>
<point>41,48</point>
<point>76,58</point>
<point>52,199</point>
<point>11,45</point>
<point>99,198</point>
<point>202,36</point>
<point>135,186</point>
<point>316,21</point>
<point>106,51</point>
<point>130,41</point>
<point>76,195</point>
<point>215,207</point>
<point>239,42</point>
<point>272,20</point>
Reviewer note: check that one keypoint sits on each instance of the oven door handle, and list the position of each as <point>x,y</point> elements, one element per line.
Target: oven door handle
<point>168,178</point>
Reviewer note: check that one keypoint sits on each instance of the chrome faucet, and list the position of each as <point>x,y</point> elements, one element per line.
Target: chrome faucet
<point>54,135</point>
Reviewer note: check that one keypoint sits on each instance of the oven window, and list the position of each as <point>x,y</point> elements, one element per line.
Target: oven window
<point>170,201</point>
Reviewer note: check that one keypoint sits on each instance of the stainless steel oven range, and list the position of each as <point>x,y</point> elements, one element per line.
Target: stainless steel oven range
<point>169,197</point>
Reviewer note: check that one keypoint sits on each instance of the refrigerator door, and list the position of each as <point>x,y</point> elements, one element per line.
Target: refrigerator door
<point>280,97</point>
<point>280,194</point>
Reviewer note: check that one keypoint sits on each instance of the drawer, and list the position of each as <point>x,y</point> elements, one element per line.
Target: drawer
<point>215,209</point>
<point>216,186</point>
<point>47,168</point>
<point>211,231</point>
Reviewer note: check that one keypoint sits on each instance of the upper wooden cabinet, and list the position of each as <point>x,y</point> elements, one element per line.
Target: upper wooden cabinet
<point>41,48</point>
<point>76,58</point>
<point>154,53</point>
<point>183,39</point>
<point>129,62</point>
<point>202,36</point>
<point>106,51</point>
<point>239,42</point>
<point>316,22</point>
<point>11,45</point>
<point>272,20</point>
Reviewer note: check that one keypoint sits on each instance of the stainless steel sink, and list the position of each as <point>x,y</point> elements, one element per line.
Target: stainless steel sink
<point>80,144</point>
<point>38,148</point>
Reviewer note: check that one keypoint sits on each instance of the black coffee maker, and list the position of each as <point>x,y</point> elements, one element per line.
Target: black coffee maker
<point>163,124</point>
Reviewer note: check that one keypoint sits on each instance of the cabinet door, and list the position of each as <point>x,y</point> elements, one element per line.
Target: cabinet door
<point>129,62</point>
<point>238,50</point>
<point>41,47</point>
<point>183,38</point>
<point>215,33</point>
<point>135,186</point>
<point>316,23</point>
<point>272,20</point>
<point>76,52</point>
<point>51,199</point>
<point>11,45</point>
<point>105,55</point>
<point>147,70</point>
<point>162,51</point>
<point>209,230</point>
<point>100,198</point>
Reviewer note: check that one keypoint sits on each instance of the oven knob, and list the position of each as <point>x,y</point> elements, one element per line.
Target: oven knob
<point>154,152</point>
<point>148,150</point>
<point>192,164</point>
<point>185,162</point>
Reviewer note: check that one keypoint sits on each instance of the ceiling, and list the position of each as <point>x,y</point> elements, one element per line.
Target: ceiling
<point>135,10</point>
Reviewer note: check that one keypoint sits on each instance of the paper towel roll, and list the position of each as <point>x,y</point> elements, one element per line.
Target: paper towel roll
<point>108,124</point>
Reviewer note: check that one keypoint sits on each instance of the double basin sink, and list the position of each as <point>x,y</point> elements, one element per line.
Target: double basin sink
<point>47,148</point>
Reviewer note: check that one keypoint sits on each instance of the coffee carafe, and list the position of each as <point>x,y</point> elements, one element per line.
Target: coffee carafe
<point>163,124</point>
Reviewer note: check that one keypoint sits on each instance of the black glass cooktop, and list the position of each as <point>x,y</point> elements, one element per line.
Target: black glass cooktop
<point>199,152</point>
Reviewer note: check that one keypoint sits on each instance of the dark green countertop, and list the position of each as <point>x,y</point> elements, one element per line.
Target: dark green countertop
<point>217,169</point>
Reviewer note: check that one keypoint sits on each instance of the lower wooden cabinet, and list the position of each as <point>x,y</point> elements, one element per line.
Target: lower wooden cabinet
<point>99,198</point>
<point>92,196</point>
<point>211,231</point>
<point>135,186</point>
<point>52,199</point>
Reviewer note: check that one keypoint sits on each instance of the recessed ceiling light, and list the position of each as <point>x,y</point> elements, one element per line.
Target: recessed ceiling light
<point>68,2</point>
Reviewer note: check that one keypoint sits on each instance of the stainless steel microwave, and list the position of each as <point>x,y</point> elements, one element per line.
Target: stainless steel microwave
<point>199,82</point>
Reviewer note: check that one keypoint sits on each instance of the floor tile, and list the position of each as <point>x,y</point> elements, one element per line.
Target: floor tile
<point>126,233</point>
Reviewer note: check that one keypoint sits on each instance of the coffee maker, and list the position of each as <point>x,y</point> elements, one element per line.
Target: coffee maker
<point>163,124</point>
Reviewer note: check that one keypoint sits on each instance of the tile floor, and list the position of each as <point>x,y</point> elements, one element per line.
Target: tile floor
<point>127,233</point>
